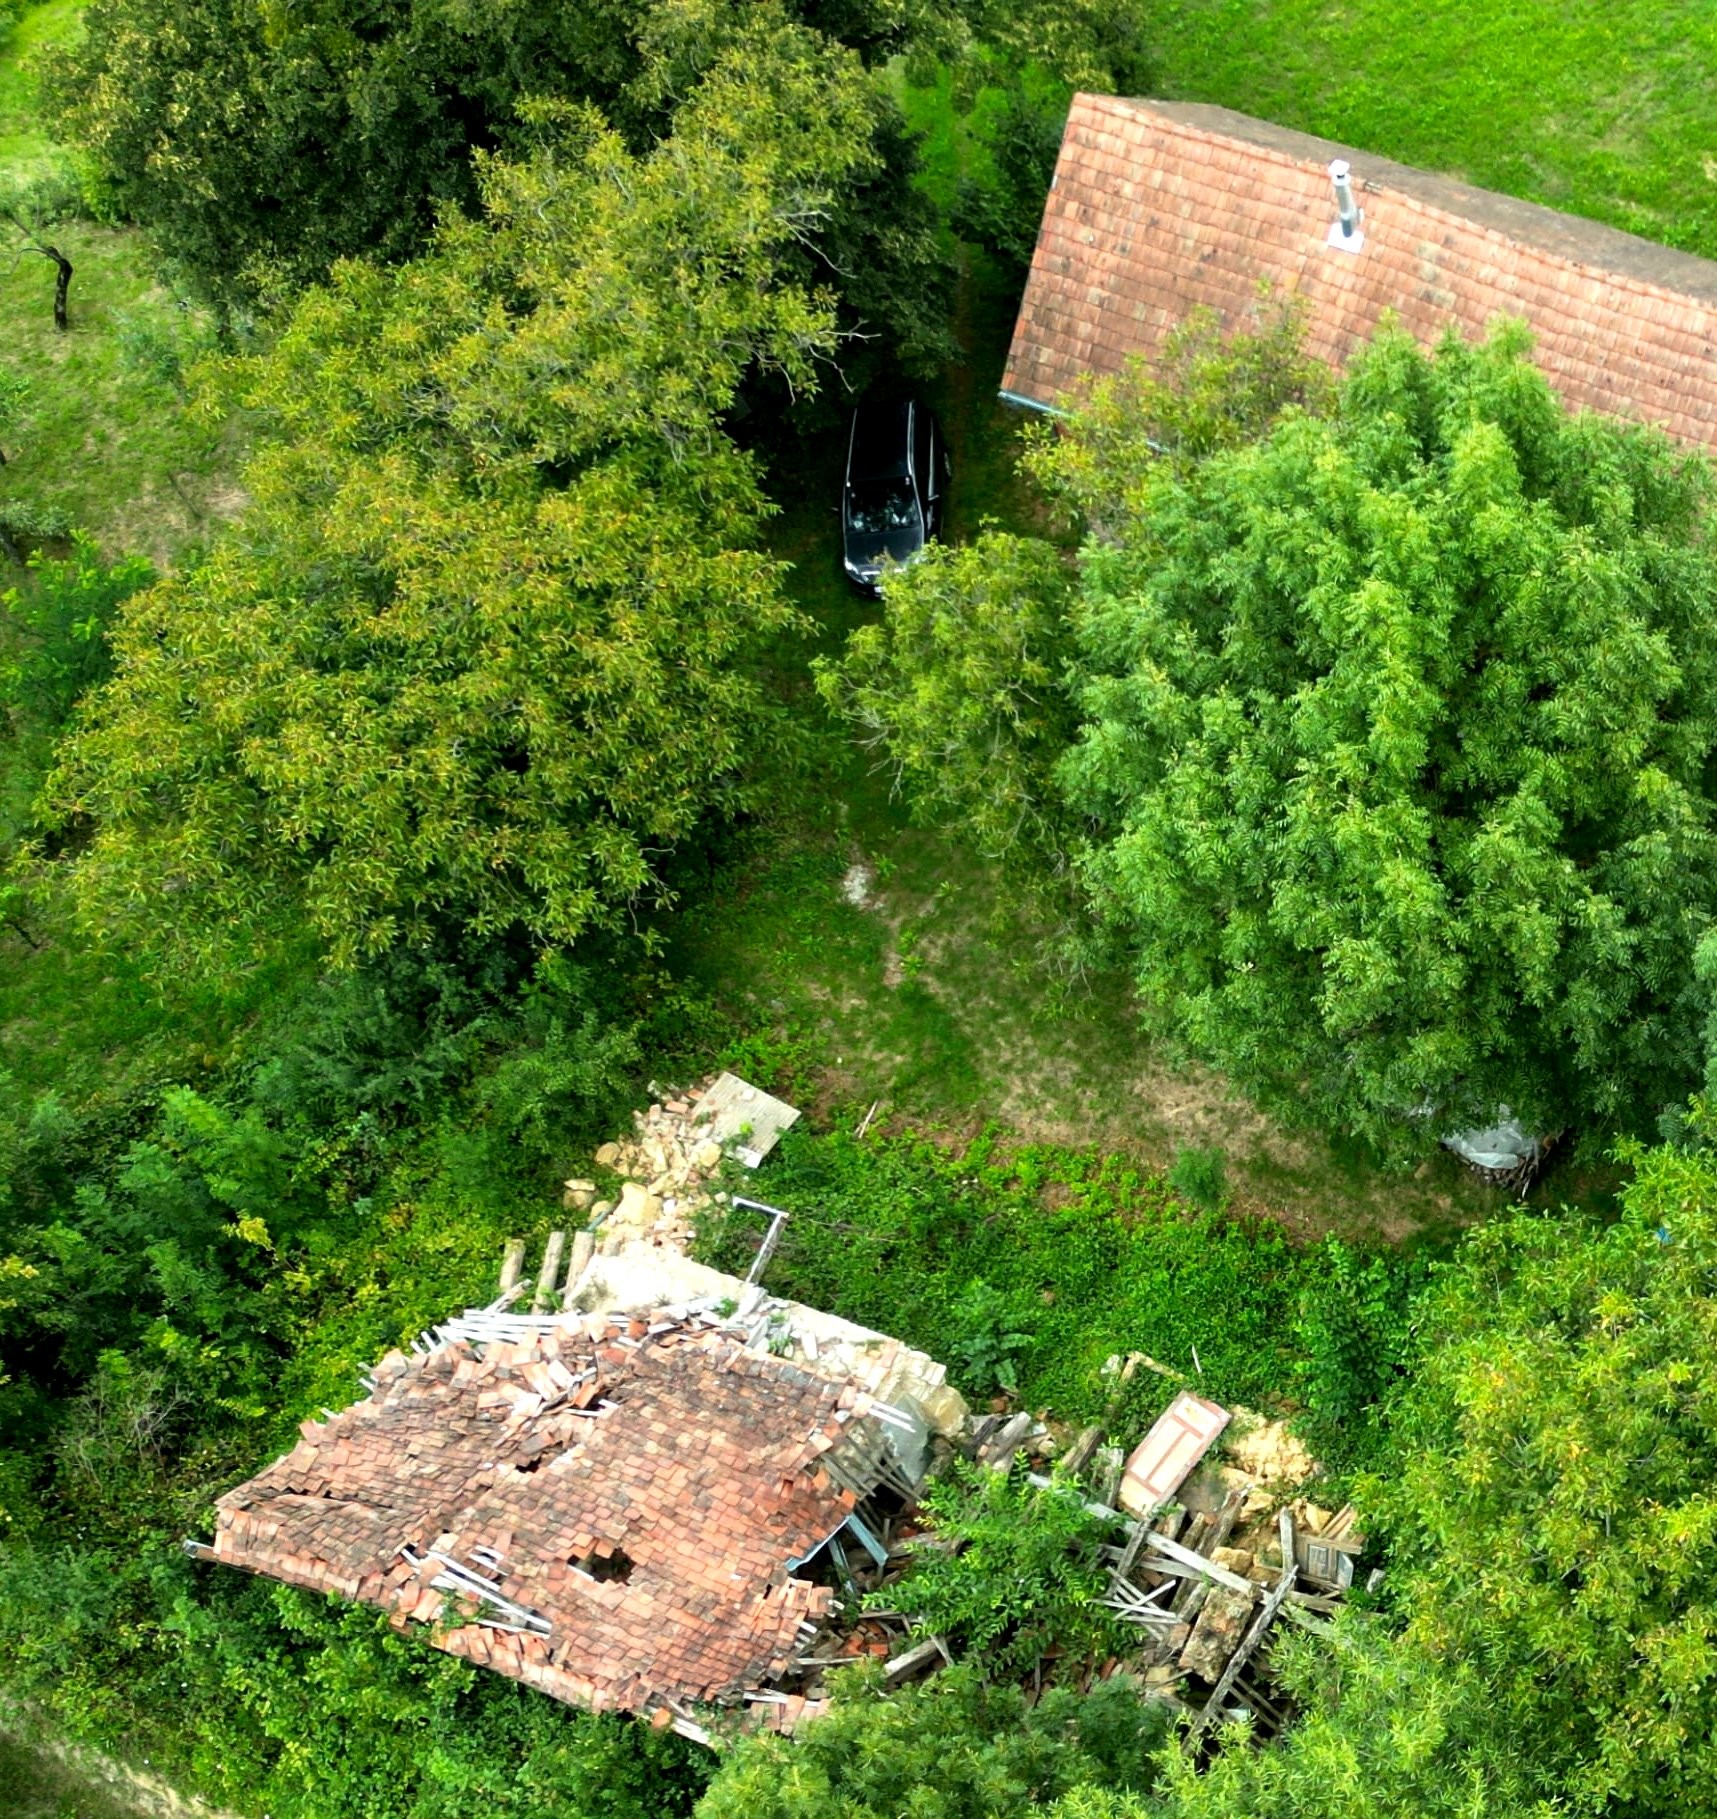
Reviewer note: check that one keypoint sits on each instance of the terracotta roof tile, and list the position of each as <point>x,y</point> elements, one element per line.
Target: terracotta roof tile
<point>1157,208</point>
<point>703,1468</point>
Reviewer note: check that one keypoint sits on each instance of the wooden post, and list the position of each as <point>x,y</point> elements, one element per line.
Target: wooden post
<point>512,1264</point>
<point>550,1275</point>
<point>766,1249</point>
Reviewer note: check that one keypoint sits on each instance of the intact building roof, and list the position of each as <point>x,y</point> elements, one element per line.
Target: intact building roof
<point>1160,207</point>
<point>606,1506</point>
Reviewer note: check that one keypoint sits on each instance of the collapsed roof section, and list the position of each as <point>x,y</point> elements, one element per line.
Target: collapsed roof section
<point>611,1506</point>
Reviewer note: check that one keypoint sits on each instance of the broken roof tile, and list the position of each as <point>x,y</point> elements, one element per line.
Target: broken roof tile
<point>697,1487</point>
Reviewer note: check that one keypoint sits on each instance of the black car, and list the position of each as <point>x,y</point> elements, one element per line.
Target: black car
<point>891,505</point>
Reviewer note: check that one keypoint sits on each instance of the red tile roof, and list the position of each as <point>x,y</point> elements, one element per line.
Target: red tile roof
<point>700,1461</point>
<point>1159,207</point>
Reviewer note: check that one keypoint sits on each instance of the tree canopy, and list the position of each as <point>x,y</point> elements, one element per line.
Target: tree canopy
<point>479,646</point>
<point>1549,1499</point>
<point>260,145</point>
<point>1393,716</point>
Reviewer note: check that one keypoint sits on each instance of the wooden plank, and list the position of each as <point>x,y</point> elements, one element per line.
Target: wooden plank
<point>1078,1455</point>
<point>1000,1448</point>
<point>1255,1635</point>
<point>583,1249</point>
<point>1222,1524</point>
<point>549,1277</point>
<point>1173,1552</point>
<point>771,1238</point>
<point>915,1661</point>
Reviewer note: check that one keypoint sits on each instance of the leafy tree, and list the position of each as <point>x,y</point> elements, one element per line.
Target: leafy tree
<point>360,124</point>
<point>1396,724</point>
<point>1000,210</point>
<point>480,647</point>
<point>952,1747</point>
<point>306,1707</point>
<point>53,635</point>
<point>1012,1572</point>
<point>1549,1501</point>
<point>1355,1335</point>
<point>961,688</point>
<point>1381,1730</point>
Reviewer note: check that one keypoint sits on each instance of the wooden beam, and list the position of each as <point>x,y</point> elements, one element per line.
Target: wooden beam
<point>1185,1556</point>
<point>915,1661</point>
<point>583,1249</point>
<point>1255,1635</point>
<point>512,1263</point>
<point>1078,1455</point>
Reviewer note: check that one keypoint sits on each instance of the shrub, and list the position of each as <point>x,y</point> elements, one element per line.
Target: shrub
<point>1200,1176</point>
<point>1011,1572</point>
<point>953,1747</point>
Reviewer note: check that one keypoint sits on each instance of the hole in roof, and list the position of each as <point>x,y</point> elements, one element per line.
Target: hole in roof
<point>610,1569</point>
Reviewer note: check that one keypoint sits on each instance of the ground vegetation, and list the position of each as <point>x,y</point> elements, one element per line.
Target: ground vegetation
<point>370,773</point>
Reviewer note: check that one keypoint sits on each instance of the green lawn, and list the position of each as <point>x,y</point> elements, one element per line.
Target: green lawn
<point>105,441</point>
<point>21,136</point>
<point>1607,110</point>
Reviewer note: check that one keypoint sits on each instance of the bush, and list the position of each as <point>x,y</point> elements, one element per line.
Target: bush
<point>1088,1254</point>
<point>1355,1334</point>
<point>953,1747</point>
<point>1200,1177</point>
<point>981,1345</point>
<point>1011,1572</point>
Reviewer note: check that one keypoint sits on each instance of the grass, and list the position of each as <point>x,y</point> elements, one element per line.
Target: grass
<point>104,440</point>
<point>22,140</point>
<point>1607,111</point>
<point>38,1787</point>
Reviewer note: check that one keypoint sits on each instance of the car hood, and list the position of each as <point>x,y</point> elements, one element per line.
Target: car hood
<point>869,551</point>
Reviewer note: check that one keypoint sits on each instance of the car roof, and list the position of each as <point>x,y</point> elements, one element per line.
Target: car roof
<point>881,442</point>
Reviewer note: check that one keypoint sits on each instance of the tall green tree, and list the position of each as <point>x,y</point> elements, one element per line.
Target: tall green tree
<point>1396,724</point>
<point>260,144</point>
<point>482,646</point>
<point>1550,1503</point>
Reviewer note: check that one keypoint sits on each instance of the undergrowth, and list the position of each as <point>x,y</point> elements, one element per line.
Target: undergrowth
<point>1082,1256</point>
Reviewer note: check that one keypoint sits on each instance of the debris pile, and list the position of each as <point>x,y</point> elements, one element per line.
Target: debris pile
<point>677,1149</point>
<point>1216,1552</point>
<point>647,1508</point>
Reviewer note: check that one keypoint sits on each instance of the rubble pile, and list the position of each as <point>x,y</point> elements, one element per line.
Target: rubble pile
<point>665,1168</point>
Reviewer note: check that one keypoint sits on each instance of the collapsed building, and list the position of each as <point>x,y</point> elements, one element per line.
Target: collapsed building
<point>654,1488</point>
<point>635,1501</point>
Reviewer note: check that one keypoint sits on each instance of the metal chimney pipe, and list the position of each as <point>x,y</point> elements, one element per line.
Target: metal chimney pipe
<point>1345,206</point>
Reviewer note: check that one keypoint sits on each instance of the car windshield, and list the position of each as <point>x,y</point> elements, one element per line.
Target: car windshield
<point>884,506</point>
